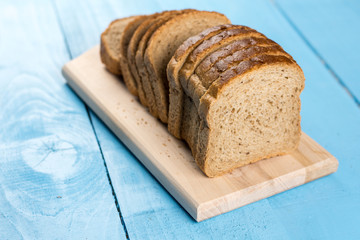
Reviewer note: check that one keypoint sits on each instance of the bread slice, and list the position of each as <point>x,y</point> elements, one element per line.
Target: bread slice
<point>251,112</point>
<point>225,58</point>
<point>131,53</point>
<point>109,47</point>
<point>172,70</point>
<point>163,44</point>
<point>129,30</point>
<point>139,59</point>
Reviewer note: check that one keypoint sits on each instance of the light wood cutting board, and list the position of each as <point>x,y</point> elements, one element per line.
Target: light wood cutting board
<point>170,161</point>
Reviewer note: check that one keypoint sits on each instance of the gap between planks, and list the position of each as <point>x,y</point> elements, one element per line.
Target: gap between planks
<point>116,202</point>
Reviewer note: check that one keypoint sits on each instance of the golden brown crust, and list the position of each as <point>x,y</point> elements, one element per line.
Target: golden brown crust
<point>235,30</point>
<point>246,66</point>
<point>225,51</point>
<point>211,45</point>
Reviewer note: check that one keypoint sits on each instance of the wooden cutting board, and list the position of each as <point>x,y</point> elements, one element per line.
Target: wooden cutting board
<point>170,161</point>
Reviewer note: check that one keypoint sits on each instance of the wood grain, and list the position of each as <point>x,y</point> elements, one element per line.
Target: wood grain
<point>53,183</point>
<point>170,161</point>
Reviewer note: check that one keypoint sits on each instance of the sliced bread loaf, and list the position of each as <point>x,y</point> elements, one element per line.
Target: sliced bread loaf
<point>251,112</point>
<point>109,44</point>
<point>163,44</point>
<point>238,91</point>
<point>129,30</point>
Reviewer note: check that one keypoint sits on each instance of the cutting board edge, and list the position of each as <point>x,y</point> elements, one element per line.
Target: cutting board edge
<point>330,165</point>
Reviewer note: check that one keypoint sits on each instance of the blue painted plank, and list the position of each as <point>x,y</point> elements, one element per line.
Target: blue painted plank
<point>53,184</point>
<point>323,209</point>
<point>331,28</point>
<point>84,21</point>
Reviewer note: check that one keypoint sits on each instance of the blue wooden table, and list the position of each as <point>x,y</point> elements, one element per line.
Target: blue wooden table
<point>64,175</point>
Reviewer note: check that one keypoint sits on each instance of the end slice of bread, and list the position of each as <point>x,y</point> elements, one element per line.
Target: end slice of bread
<point>109,44</point>
<point>250,113</point>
